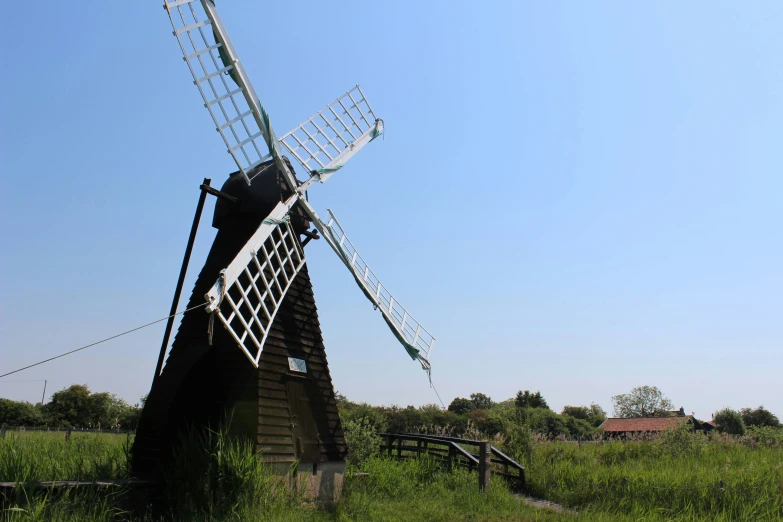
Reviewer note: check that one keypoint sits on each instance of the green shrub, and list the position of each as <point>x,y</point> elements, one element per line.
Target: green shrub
<point>519,443</point>
<point>765,435</point>
<point>680,440</point>
<point>729,421</point>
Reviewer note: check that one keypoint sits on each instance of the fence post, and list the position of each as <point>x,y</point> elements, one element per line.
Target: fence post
<point>485,465</point>
<point>389,442</point>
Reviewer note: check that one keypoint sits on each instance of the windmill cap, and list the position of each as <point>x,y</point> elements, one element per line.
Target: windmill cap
<point>256,200</point>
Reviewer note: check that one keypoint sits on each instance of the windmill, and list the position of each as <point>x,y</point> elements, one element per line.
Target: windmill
<point>258,351</point>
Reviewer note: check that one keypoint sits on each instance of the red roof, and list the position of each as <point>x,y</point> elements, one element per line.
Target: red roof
<point>642,424</point>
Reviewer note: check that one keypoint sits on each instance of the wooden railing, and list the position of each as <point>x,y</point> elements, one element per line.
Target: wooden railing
<point>486,459</point>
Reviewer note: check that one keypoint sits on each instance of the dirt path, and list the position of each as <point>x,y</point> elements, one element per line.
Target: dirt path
<point>545,504</point>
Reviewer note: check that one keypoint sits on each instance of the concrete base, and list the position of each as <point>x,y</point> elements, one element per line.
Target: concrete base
<point>323,486</point>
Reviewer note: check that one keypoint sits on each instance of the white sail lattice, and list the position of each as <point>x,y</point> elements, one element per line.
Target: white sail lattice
<point>326,141</point>
<point>228,95</point>
<point>414,337</point>
<point>249,292</point>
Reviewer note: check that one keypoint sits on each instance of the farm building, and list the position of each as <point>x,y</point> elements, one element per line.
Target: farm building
<point>620,428</point>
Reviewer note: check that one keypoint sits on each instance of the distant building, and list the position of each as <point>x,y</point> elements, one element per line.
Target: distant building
<point>621,428</point>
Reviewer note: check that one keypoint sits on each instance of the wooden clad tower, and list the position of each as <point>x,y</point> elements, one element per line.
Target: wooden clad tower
<point>292,415</point>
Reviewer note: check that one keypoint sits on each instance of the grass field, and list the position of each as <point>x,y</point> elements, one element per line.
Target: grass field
<point>680,476</point>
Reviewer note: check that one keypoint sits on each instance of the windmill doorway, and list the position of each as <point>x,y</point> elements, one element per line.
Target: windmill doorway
<point>303,427</point>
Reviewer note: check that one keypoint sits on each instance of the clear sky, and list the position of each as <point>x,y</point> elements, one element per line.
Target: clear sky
<point>577,197</point>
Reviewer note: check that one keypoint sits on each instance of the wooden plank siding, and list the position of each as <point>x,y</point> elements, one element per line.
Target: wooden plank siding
<point>203,385</point>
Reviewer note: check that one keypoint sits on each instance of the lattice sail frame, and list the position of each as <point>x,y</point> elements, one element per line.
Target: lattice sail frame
<point>323,144</point>
<point>416,339</point>
<point>250,290</point>
<point>326,141</point>
<point>236,110</point>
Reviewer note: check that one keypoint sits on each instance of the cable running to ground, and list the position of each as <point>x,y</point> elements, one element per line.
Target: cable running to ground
<point>436,393</point>
<point>103,340</point>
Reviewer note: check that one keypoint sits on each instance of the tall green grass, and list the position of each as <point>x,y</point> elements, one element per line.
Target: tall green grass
<point>423,489</point>
<point>44,456</point>
<point>213,477</point>
<point>679,476</point>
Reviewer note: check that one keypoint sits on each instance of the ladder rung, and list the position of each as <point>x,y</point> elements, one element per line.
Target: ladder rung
<point>245,142</point>
<point>219,71</point>
<point>231,122</point>
<point>170,5</point>
<point>204,50</point>
<point>191,27</point>
<point>227,95</point>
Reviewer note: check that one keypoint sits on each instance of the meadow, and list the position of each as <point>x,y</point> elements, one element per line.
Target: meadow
<point>678,476</point>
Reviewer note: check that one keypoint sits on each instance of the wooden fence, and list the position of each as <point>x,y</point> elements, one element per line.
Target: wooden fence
<point>487,459</point>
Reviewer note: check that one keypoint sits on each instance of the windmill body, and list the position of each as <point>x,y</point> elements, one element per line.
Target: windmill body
<point>287,404</point>
<point>256,360</point>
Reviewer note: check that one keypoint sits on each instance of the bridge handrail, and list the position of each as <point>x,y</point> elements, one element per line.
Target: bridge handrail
<point>409,436</point>
<point>455,450</point>
<point>503,457</point>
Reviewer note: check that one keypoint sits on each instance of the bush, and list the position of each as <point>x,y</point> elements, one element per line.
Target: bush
<point>486,423</point>
<point>361,425</point>
<point>545,421</point>
<point>766,435</point>
<point>729,421</point>
<point>20,413</point>
<point>578,428</point>
<point>461,406</point>
<point>680,440</point>
<point>519,443</point>
<point>759,417</point>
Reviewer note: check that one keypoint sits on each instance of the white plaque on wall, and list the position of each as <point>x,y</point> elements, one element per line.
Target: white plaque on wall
<point>297,365</point>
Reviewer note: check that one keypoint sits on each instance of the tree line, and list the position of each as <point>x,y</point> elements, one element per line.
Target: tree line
<point>480,416</point>
<point>76,406</point>
<point>73,407</point>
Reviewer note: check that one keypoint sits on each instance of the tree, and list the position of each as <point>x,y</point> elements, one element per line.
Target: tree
<point>597,415</point>
<point>20,413</point>
<point>759,417</point>
<point>530,400</point>
<point>105,409</point>
<point>481,401</point>
<point>70,406</point>
<point>77,406</point>
<point>644,401</point>
<point>545,421</point>
<point>593,414</point>
<point>729,421</point>
<point>577,412</point>
<point>461,406</point>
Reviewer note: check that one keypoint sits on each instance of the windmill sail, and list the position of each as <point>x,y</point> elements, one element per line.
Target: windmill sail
<point>249,292</point>
<point>326,141</point>
<point>227,92</point>
<point>416,340</point>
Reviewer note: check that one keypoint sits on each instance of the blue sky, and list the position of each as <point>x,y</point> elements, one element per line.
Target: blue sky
<point>576,198</point>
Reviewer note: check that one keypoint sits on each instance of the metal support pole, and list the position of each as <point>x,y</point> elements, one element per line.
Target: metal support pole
<point>43,395</point>
<point>170,323</point>
<point>485,465</point>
